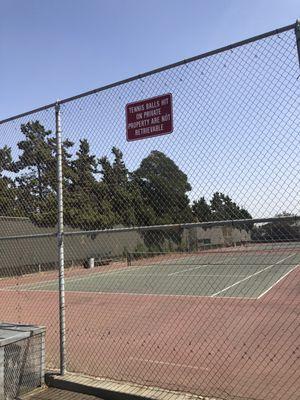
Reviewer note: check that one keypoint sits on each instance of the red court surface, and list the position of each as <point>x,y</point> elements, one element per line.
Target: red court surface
<point>214,346</point>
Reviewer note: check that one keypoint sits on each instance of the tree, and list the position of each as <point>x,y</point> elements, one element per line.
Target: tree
<point>83,168</point>
<point>164,187</point>
<point>6,162</point>
<point>67,170</point>
<point>37,182</point>
<point>88,212</point>
<point>201,210</point>
<point>86,203</point>
<point>123,192</point>
<point>223,208</point>
<point>34,161</point>
<point>8,195</point>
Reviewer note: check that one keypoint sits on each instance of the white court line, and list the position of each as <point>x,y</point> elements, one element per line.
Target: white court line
<point>84,292</point>
<point>200,266</point>
<point>100,273</point>
<point>200,276</point>
<point>167,363</point>
<point>80,278</point>
<point>274,284</point>
<point>250,276</point>
<point>189,269</point>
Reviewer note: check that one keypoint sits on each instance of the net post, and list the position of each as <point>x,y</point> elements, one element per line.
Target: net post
<point>297,33</point>
<point>60,239</point>
<point>128,259</point>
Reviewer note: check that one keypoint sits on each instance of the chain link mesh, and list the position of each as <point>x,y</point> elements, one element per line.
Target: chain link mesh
<point>28,248</point>
<point>182,251</point>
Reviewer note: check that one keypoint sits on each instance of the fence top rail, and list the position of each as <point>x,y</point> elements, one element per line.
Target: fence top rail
<point>235,222</point>
<point>155,71</point>
<point>33,236</point>
<point>8,218</point>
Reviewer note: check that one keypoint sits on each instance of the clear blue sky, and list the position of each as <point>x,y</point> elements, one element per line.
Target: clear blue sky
<point>58,48</point>
<point>236,121</point>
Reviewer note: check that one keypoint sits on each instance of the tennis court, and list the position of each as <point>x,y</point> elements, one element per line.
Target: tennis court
<point>233,273</point>
<point>167,314</point>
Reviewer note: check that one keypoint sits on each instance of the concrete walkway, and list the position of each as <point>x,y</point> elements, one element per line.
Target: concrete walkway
<point>57,394</point>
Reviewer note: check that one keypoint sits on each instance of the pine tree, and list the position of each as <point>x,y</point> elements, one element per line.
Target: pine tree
<point>83,168</point>
<point>201,210</point>
<point>86,203</point>
<point>36,181</point>
<point>118,188</point>
<point>224,208</point>
<point>8,193</point>
<point>34,162</point>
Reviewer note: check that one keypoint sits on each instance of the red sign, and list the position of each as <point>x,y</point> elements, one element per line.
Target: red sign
<point>149,117</point>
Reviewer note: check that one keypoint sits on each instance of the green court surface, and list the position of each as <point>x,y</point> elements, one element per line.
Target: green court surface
<point>218,274</point>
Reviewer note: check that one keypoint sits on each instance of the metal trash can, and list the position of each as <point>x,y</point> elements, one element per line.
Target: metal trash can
<point>91,263</point>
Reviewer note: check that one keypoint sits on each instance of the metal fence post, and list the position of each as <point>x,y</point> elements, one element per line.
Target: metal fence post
<point>297,32</point>
<point>60,240</point>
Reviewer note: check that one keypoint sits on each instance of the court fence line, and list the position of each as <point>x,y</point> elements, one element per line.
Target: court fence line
<point>232,222</point>
<point>245,113</point>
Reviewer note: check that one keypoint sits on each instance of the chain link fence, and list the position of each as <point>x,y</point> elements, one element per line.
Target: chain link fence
<point>178,255</point>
